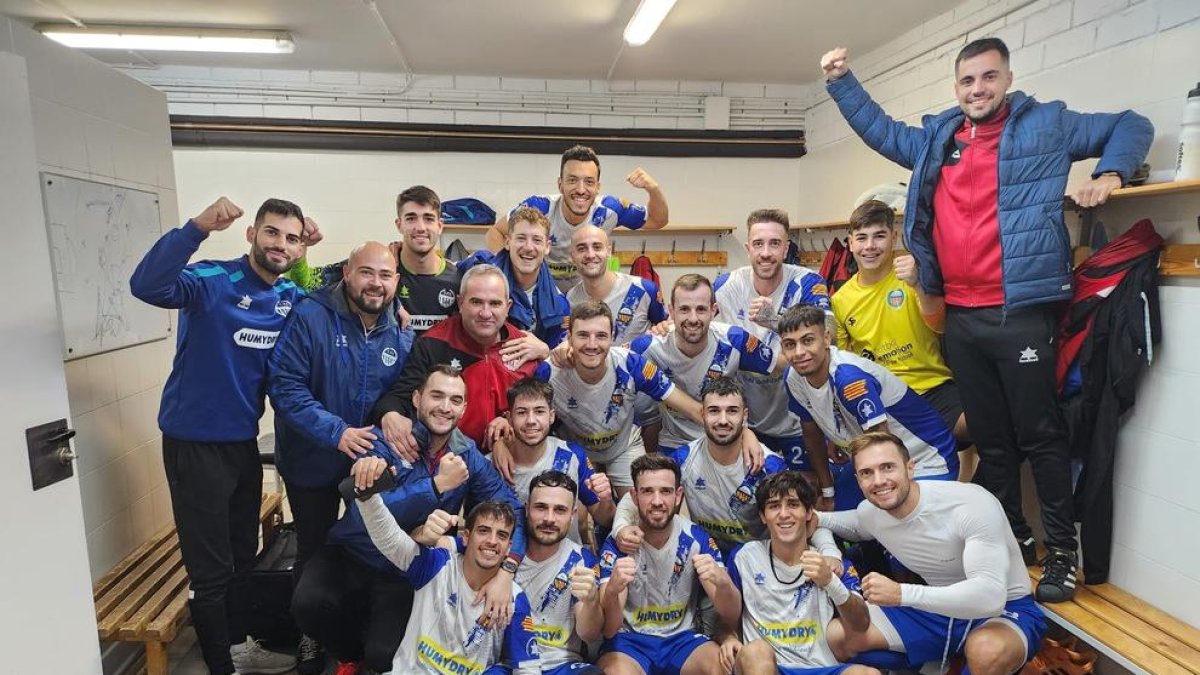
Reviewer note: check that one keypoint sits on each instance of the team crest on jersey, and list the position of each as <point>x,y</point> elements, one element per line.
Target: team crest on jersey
<point>389,357</point>
<point>820,289</point>
<point>615,401</point>
<point>445,298</point>
<point>474,636</point>
<point>895,298</point>
<point>760,579</point>
<point>572,403</point>
<point>624,316</point>
<point>866,409</point>
<point>681,558</point>
<point>607,559</point>
<point>283,307</point>
<point>856,389</point>
<point>867,354</point>
<point>744,495</point>
<point>560,583</point>
<point>402,292</point>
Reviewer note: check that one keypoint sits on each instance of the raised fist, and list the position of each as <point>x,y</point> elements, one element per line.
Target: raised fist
<point>219,216</point>
<point>583,583</point>
<point>834,63</point>
<point>452,472</point>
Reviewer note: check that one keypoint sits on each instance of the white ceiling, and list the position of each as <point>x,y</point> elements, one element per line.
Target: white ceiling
<point>730,40</point>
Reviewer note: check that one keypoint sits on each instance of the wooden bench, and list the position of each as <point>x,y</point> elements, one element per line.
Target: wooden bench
<point>144,597</point>
<point>1127,629</point>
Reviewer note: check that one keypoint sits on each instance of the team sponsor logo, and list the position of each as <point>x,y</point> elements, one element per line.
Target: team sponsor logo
<point>895,298</point>
<point>445,297</point>
<point>532,648</point>
<point>424,321</point>
<point>654,615</point>
<point>443,661</point>
<point>244,303</point>
<point>820,289</point>
<point>789,633</point>
<point>856,389</point>
<point>255,339</point>
<point>389,357</point>
<point>550,636</point>
<point>283,307</point>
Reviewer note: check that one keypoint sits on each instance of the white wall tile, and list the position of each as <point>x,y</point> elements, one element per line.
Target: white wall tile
<point>288,111</point>
<point>334,77</point>
<point>709,87</point>
<point>180,108</point>
<point>399,115</point>
<point>280,75</point>
<point>476,117</point>
<point>419,116</point>
<point>522,84</point>
<point>612,121</point>
<point>476,82</point>
<point>523,119</point>
<point>326,112</point>
<point>109,543</point>
<point>567,120</point>
<point>433,82</point>
<point>743,90</point>
<point>1073,44</point>
<point>1136,22</point>
<point>389,80</point>
<point>1090,10</point>
<point>1174,12</point>
<point>238,110</point>
<point>1051,21</point>
<point>569,86</point>
<point>104,493</point>
<point>657,86</point>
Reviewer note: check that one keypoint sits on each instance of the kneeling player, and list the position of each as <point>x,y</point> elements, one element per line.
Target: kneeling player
<point>649,598</point>
<point>787,614</point>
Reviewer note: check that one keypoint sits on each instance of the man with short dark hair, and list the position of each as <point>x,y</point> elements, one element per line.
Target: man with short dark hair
<point>349,597</point>
<point>341,347</point>
<point>984,222</point>
<point>839,396</point>
<point>976,598</point>
<point>576,204</point>
<point>650,598</point>
<point>788,615</point>
<point>230,314</point>
<point>892,322</point>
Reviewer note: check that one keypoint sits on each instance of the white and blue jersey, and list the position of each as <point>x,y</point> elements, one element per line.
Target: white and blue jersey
<point>636,304</point>
<point>728,350</point>
<point>444,636</point>
<point>607,213</point>
<point>769,414</point>
<point>548,586</point>
<point>600,416</point>
<point>661,598</point>
<point>565,457</point>
<point>861,394</point>
<point>229,320</point>
<point>792,617</point>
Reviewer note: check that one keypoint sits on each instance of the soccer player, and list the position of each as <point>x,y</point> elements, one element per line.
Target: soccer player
<point>754,297</point>
<point>230,314</point>
<point>977,600</point>
<point>650,597</point>
<point>790,593</point>
<point>576,204</point>
<point>883,315</point>
<point>559,577</point>
<point>636,303</point>
<point>840,395</point>
<point>446,631</point>
<point>535,451</point>
<point>694,351</point>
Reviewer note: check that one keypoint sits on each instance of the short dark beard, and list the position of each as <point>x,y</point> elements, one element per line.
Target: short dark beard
<point>359,303</point>
<point>260,257</point>
<point>537,536</point>
<point>737,436</point>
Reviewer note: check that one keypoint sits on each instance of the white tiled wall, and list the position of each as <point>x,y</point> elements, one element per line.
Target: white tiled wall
<point>1095,55</point>
<point>95,123</point>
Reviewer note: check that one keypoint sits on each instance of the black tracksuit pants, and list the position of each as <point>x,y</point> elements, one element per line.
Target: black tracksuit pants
<point>216,491</point>
<point>1004,365</point>
<point>314,512</point>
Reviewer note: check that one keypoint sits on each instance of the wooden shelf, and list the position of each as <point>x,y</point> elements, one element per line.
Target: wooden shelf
<point>705,230</point>
<point>1153,190</point>
<point>465,229</point>
<point>833,225</point>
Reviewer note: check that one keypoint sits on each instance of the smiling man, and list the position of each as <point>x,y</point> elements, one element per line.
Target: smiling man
<point>984,222</point>
<point>579,201</point>
<point>636,303</point>
<point>839,396</point>
<point>230,314</point>
<point>976,599</point>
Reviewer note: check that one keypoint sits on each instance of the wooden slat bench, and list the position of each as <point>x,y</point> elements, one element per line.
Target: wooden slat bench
<point>144,597</point>
<point>1127,629</point>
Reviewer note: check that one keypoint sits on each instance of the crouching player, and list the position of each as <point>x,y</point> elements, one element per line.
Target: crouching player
<point>789,592</point>
<point>461,638</point>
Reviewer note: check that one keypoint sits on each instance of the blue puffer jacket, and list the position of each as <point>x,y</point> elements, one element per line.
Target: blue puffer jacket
<point>325,375</point>
<point>1039,143</point>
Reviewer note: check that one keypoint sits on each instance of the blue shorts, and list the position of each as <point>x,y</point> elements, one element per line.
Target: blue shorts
<point>801,670</point>
<point>656,655</point>
<point>577,668</point>
<point>925,634</point>
<point>792,450</point>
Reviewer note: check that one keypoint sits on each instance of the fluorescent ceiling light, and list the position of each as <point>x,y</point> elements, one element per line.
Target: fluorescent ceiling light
<point>647,17</point>
<point>145,38</point>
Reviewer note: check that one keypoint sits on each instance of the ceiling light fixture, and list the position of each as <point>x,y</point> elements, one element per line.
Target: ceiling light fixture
<point>646,19</point>
<point>149,38</point>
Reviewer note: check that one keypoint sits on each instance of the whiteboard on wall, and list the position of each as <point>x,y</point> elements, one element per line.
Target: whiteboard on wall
<point>98,233</point>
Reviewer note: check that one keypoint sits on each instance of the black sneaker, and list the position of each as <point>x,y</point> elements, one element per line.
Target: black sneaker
<point>310,657</point>
<point>1058,577</point>
<point>1028,551</point>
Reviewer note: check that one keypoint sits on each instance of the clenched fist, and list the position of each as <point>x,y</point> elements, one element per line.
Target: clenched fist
<point>710,573</point>
<point>622,574</point>
<point>440,523</point>
<point>629,539</point>
<point>583,583</point>
<point>816,567</point>
<point>906,269</point>
<point>880,590</point>
<point>598,484</point>
<point>641,180</point>
<point>833,64</point>
<point>219,216</point>
<point>452,472</point>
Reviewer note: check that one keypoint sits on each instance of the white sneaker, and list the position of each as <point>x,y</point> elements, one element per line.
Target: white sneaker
<point>250,657</point>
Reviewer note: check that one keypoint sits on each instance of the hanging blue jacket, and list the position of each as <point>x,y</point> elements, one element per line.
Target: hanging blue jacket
<point>324,376</point>
<point>546,315</point>
<point>1039,143</point>
<point>229,319</point>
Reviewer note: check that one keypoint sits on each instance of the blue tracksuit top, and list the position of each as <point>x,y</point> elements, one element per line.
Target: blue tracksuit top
<point>324,376</point>
<point>229,319</point>
<point>413,499</point>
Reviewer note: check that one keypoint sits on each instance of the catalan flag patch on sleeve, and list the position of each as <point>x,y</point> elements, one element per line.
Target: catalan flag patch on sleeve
<point>856,389</point>
<point>751,343</point>
<point>527,623</point>
<point>649,370</point>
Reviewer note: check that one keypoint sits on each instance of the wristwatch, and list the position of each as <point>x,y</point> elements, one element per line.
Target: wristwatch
<point>509,565</point>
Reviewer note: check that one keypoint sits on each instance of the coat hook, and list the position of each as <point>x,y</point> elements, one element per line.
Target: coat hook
<point>703,243</point>
<point>672,258</point>
<point>643,247</point>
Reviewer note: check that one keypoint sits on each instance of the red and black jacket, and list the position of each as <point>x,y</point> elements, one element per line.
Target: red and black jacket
<point>485,373</point>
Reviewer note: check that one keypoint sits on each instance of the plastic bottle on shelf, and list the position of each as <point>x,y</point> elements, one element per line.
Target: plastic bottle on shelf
<point>1187,166</point>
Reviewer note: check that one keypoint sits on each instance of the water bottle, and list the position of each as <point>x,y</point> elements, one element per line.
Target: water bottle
<point>1187,167</point>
